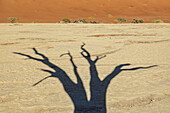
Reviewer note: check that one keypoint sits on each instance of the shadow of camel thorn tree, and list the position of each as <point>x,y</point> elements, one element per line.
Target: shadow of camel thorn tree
<point>76,91</point>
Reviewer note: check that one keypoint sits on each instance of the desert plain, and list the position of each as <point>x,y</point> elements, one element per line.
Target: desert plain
<point>135,91</point>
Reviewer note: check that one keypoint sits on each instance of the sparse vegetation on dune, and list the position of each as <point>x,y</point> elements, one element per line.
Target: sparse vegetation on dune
<point>158,21</point>
<point>121,20</point>
<point>93,22</point>
<point>66,20</point>
<point>110,16</point>
<point>80,21</point>
<point>137,21</point>
<point>13,19</point>
<point>92,18</point>
<point>84,20</point>
<point>34,22</point>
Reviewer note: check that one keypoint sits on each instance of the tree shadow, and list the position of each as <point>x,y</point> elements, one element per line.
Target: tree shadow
<point>76,91</point>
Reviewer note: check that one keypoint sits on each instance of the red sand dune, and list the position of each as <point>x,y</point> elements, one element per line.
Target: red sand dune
<point>55,10</point>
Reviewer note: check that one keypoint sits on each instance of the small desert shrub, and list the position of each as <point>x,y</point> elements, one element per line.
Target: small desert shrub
<point>92,17</point>
<point>116,21</point>
<point>158,21</point>
<point>34,22</point>
<point>121,20</point>
<point>93,22</point>
<point>13,19</point>
<point>66,20</point>
<point>137,21</point>
<point>80,21</point>
<point>110,16</point>
<point>83,20</point>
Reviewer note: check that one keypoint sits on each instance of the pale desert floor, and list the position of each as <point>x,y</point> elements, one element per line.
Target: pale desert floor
<point>139,91</point>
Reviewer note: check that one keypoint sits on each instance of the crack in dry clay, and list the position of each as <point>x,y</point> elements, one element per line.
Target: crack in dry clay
<point>144,42</point>
<point>29,32</point>
<point>16,24</point>
<point>141,101</point>
<point>158,27</point>
<point>31,39</point>
<point>105,35</point>
<point>106,53</point>
<point>10,43</point>
<point>63,41</point>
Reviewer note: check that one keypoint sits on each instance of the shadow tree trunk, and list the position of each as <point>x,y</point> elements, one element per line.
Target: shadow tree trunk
<point>76,91</point>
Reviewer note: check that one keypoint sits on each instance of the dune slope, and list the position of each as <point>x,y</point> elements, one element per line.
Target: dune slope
<point>55,10</point>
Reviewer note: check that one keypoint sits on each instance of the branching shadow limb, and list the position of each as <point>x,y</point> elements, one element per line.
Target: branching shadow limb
<point>118,69</point>
<point>76,91</point>
<point>41,80</point>
<point>79,81</point>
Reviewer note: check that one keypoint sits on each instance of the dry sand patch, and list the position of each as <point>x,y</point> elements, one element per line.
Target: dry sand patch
<point>131,91</point>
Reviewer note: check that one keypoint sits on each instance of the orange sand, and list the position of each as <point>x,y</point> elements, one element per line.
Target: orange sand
<point>55,10</point>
